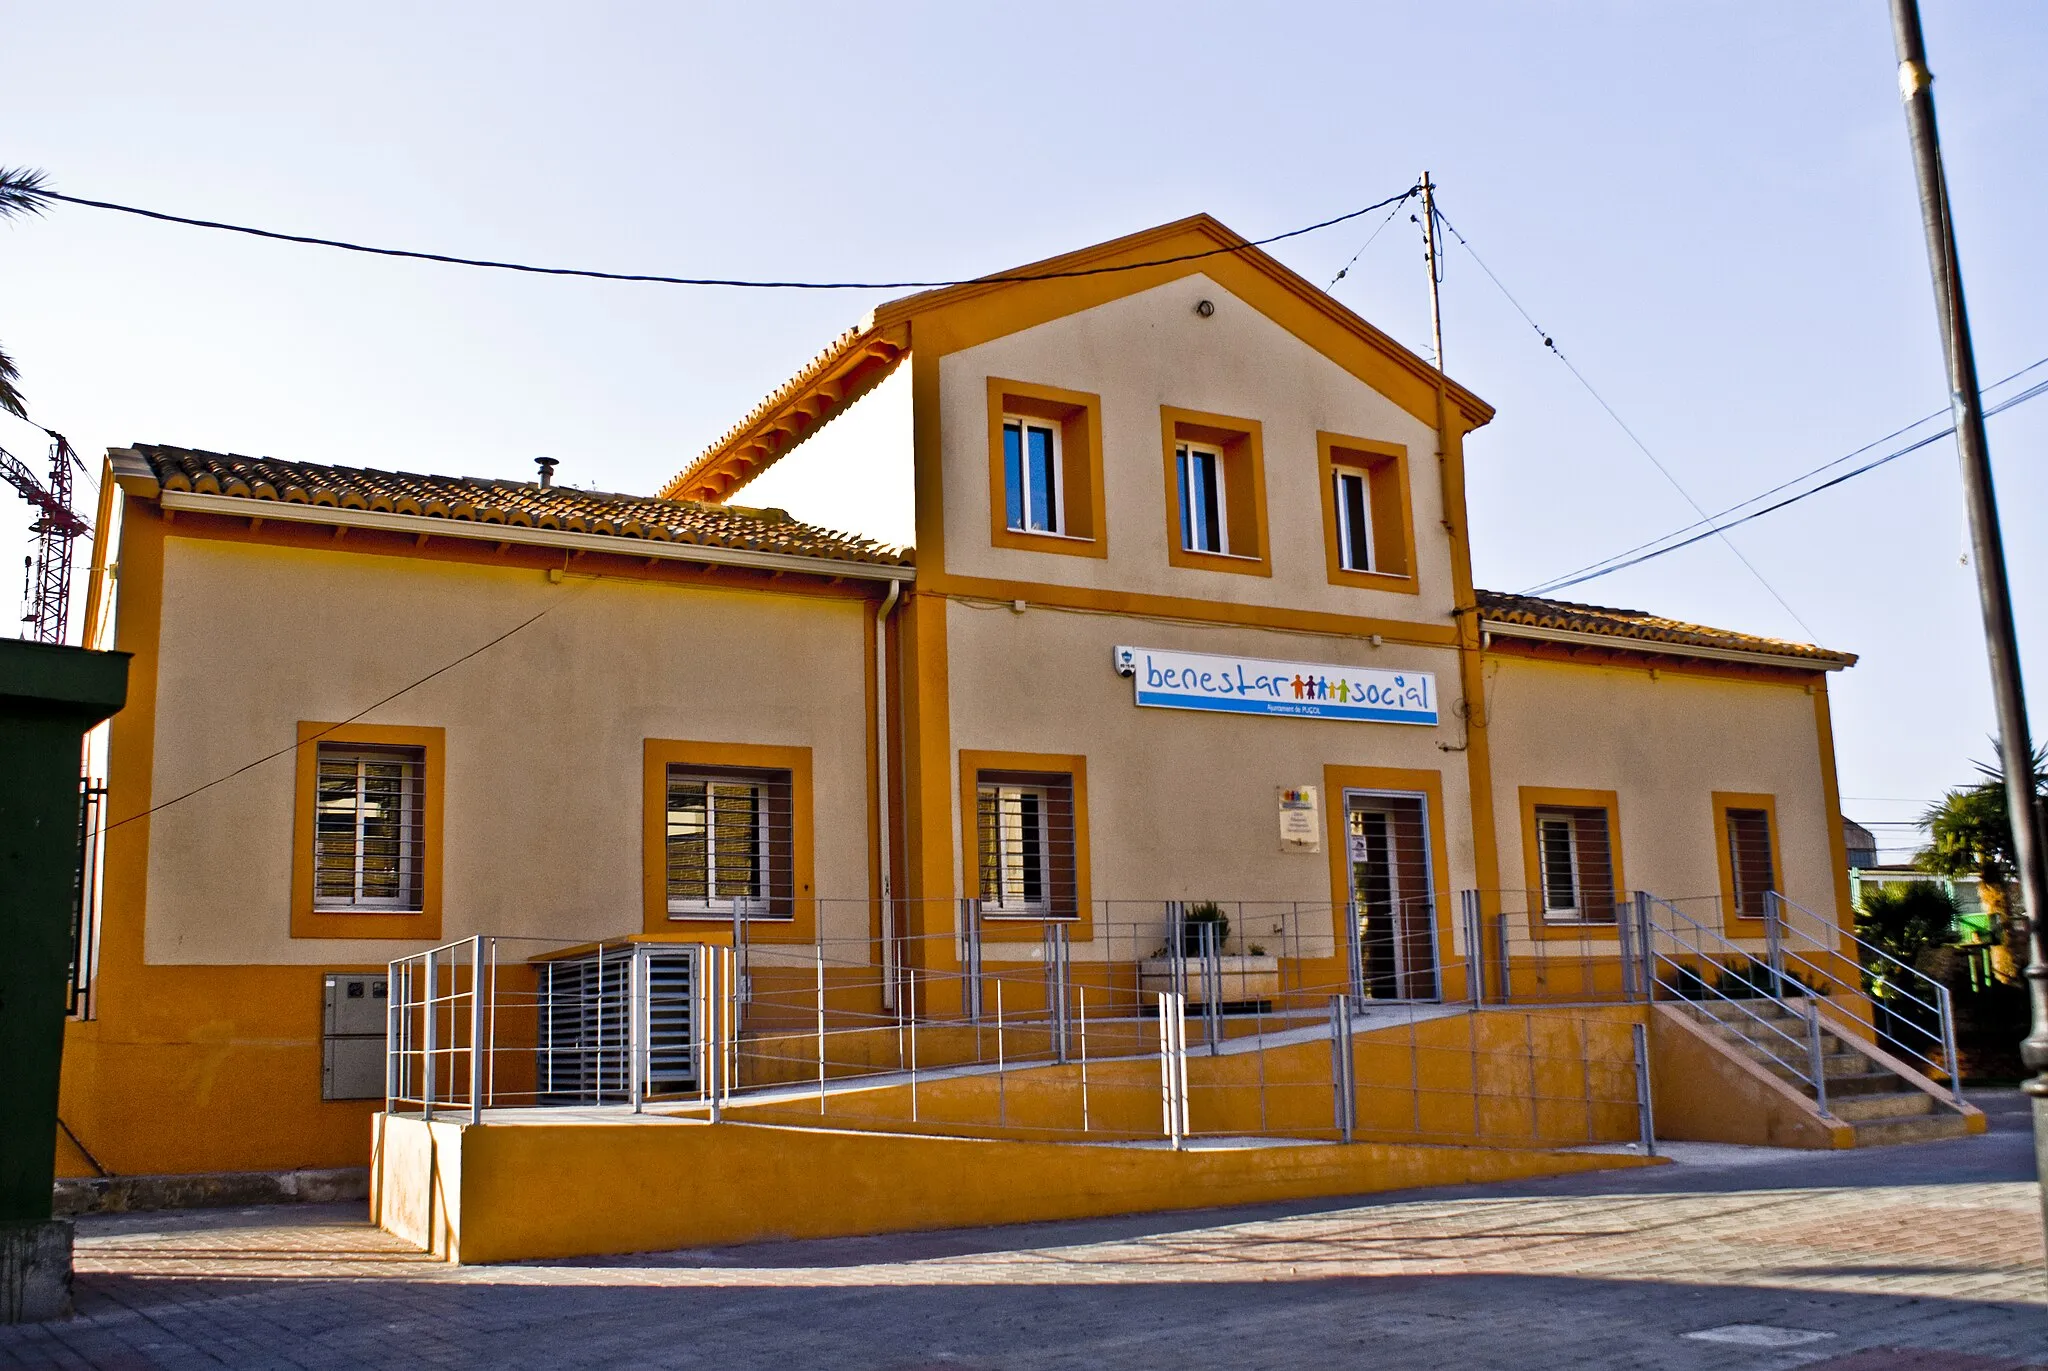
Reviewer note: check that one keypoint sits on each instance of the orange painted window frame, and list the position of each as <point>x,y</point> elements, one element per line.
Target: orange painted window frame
<point>1079,415</point>
<point>1535,797</point>
<point>1392,510</point>
<point>1002,928</point>
<point>1243,444</point>
<point>658,755</point>
<point>425,922</point>
<point>1725,800</point>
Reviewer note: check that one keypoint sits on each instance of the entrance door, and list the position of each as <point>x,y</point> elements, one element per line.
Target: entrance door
<point>1388,837</point>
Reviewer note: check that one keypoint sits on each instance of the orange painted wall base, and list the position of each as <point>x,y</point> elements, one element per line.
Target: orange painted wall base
<point>524,1191</point>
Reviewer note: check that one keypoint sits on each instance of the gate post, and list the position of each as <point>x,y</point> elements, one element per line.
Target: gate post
<point>1343,1077</point>
<point>1173,1066</point>
<point>1646,1114</point>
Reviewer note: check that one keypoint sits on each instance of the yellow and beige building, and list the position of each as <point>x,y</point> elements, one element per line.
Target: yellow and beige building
<point>1189,618</point>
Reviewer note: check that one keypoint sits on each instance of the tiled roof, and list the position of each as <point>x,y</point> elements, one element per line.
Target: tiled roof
<point>855,363</point>
<point>1501,608</point>
<point>512,503</point>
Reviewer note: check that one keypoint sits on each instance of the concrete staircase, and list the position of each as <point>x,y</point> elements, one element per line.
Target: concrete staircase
<point>1878,1103</point>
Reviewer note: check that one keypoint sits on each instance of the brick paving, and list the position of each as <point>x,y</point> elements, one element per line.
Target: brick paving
<point>1924,1256</point>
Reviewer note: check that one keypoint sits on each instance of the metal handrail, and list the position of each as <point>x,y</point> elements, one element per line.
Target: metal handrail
<point>1862,944</point>
<point>1942,1007</point>
<point>1816,1075</point>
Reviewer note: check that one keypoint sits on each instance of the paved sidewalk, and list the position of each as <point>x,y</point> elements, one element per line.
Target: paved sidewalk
<point>1927,1257</point>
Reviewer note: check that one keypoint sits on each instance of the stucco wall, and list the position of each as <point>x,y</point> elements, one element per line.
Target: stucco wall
<point>544,739</point>
<point>1152,349</point>
<point>1182,804</point>
<point>1664,744</point>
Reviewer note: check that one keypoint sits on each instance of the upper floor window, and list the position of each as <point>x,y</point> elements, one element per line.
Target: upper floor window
<point>1045,469</point>
<point>1215,492</point>
<point>369,832</point>
<point>1204,507</point>
<point>728,839</point>
<point>1031,475</point>
<point>1368,523</point>
<point>1353,493</point>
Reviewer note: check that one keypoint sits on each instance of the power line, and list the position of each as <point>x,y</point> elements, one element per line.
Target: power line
<point>2031,392</point>
<point>1566,578</point>
<point>1643,447</point>
<point>735,282</point>
<point>410,686</point>
<point>1346,268</point>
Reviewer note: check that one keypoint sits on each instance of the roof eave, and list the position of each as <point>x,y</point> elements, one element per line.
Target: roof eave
<point>901,310</point>
<point>859,362</point>
<point>1822,660</point>
<point>417,525</point>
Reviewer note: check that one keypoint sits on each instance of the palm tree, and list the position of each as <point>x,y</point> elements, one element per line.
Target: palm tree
<point>21,193</point>
<point>1971,832</point>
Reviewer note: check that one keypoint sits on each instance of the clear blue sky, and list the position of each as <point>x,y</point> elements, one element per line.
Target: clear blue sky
<point>1710,207</point>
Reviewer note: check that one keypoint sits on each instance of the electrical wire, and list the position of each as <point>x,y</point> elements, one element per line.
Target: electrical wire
<point>1782,485</point>
<point>577,593</point>
<point>1551,343</point>
<point>2031,392</point>
<point>734,282</point>
<point>1345,270</point>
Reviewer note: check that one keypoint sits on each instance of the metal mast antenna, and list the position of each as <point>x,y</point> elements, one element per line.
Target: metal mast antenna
<point>46,601</point>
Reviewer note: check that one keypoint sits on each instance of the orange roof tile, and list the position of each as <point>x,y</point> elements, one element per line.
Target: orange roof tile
<point>512,503</point>
<point>1498,607</point>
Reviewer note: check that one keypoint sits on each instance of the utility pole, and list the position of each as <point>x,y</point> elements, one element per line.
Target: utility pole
<point>1987,549</point>
<point>1432,251</point>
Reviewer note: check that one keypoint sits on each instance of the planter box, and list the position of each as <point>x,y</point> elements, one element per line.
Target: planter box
<point>1240,980</point>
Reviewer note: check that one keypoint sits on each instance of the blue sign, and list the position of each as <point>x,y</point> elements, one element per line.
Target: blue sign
<point>1250,685</point>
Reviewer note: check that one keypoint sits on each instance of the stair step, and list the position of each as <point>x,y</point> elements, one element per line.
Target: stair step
<point>1880,1107</point>
<point>1867,1083</point>
<point>1792,1048</point>
<point>1927,1129</point>
<point>1836,1063</point>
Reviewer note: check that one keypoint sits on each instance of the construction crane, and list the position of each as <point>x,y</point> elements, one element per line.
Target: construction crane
<point>46,602</point>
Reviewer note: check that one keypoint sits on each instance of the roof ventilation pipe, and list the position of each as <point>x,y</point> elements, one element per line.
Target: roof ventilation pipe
<point>547,467</point>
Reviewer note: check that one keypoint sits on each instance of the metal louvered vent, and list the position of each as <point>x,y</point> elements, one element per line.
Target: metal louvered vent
<point>588,1005</point>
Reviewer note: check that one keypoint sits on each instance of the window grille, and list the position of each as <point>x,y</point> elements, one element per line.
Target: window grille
<point>1749,861</point>
<point>369,839</point>
<point>729,838</point>
<point>1032,475</point>
<point>1353,492</point>
<point>1025,841</point>
<point>1576,865</point>
<point>1204,504</point>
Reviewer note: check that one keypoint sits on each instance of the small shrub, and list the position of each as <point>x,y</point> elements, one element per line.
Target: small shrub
<point>1907,918</point>
<point>1192,920</point>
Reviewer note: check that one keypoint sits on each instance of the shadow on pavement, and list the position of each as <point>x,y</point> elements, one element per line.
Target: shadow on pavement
<point>1473,1321</point>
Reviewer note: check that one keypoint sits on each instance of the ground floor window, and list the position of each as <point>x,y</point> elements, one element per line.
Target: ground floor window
<point>1752,866</point>
<point>1025,844</point>
<point>728,839</point>
<point>1575,857</point>
<point>369,840</point>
